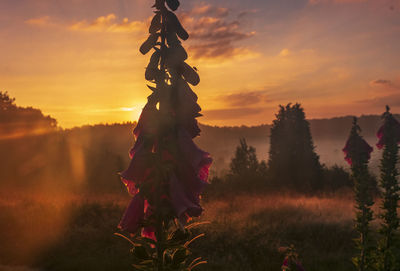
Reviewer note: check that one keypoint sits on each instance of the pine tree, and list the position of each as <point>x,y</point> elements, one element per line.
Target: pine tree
<point>389,138</point>
<point>245,160</point>
<point>6,103</point>
<point>244,165</point>
<point>357,153</point>
<point>292,157</point>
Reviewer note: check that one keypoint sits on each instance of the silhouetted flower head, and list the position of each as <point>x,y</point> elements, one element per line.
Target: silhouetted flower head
<point>133,215</point>
<point>285,262</point>
<point>149,232</point>
<point>191,165</point>
<point>390,130</point>
<point>356,148</point>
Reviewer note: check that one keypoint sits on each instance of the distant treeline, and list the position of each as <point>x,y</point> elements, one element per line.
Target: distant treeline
<point>18,121</point>
<point>329,136</point>
<point>36,153</point>
<point>82,159</point>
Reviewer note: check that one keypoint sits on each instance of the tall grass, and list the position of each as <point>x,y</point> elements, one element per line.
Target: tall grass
<point>246,232</point>
<point>76,232</point>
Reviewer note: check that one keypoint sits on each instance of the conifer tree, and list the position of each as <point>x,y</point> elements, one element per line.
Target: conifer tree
<point>245,160</point>
<point>357,154</point>
<point>6,102</point>
<point>389,138</point>
<point>292,157</point>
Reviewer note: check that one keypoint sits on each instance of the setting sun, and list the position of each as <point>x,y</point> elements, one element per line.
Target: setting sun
<point>77,60</point>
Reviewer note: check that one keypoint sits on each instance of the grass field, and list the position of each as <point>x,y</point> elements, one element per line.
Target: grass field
<point>56,232</point>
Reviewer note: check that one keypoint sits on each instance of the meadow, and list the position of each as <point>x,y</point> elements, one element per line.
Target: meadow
<point>65,232</point>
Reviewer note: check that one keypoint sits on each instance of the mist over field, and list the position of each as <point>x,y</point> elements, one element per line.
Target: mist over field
<point>37,154</point>
<point>329,137</point>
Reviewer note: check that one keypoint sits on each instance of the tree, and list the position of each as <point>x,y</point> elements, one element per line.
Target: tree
<point>292,158</point>
<point>6,103</point>
<point>389,138</point>
<point>245,161</point>
<point>357,154</point>
<point>16,119</point>
<point>245,166</point>
<point>336,177</point>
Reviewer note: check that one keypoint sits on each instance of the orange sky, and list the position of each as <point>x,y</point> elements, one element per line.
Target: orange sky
<point>78,60</point>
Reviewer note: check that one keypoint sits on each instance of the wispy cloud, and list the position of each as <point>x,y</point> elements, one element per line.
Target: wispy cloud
<point>241,99</point>
<point>214,33</point>
<point>229,114</point>
<point>386,92</point>
<point>40,21</point>
<point>109,23</point>
<point>381,82</point>
<point>208,9</point>
<point>284,52</point>
<point>315,2</point>
<point>380,101</point>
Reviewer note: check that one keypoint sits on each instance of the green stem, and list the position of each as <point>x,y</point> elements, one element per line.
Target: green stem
<point>159,227</point>
<point>160,247</point>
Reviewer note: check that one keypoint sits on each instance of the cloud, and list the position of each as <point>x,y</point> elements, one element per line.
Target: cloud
<point>208,9</point>
<point>244,13</point>
<point>381,101</point>
<point>387,93</point>
<point>109,23</point>
<point>381,82</point>
<point>41,21</point>
<point>213,34</point>
<point>315,2</point>
<point>230,114</point>
<point>243,98</point>
<point>285,52</point>
<point>349,1</point>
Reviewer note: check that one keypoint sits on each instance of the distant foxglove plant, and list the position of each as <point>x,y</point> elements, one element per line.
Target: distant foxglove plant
<point>357,154</point>
<point>389,140</point>
<point>291,261</point>
<point>167,172</point>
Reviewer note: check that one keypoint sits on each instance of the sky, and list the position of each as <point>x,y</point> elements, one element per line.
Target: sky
<point>78,60</point>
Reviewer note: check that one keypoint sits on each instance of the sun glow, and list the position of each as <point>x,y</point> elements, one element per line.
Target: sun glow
<point>128,109</point>
<point>88,64</point>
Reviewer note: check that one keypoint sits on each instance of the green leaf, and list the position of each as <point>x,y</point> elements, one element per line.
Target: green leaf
<point>196,224</point>
<point>149,43</point>
<point>197,264</point>
<point>155,23</point>
<point>173,4</point>
<point>179,256</point>
<point>126,238</point>
<point>197,237</point>
<point>175,26</point>
<point>190,75</point>
<point>167,258</point>
<point>152,88</point>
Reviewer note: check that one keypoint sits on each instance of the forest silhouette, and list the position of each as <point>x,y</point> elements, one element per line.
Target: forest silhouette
<point>38,154</point>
